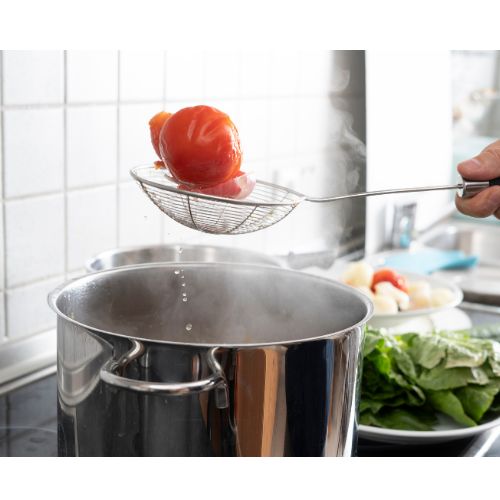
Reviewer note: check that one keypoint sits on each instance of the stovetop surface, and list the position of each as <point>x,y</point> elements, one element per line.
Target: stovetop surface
<point>28,427</point>
<point>28,420</point>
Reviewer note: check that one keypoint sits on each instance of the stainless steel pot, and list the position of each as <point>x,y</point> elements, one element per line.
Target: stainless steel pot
<point>258,361</point>
<point>176,253</point>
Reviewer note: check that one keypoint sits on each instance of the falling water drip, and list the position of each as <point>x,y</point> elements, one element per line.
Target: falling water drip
<point>189,326</point>
<point>176,271</point>
<point>184,299</point>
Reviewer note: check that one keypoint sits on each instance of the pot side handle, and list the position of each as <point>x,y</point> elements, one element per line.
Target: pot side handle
<point>216,380</point>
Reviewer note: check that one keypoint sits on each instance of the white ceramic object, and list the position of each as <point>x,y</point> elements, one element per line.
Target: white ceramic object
<point>445,430</point>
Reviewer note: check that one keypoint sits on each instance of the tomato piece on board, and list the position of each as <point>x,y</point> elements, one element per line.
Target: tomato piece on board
<point>392,277</point>
<point>237,188</point>
<point>155,125</point>
<point>200,146</point>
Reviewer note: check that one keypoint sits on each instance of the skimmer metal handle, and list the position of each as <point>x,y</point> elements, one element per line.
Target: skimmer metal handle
<point>468,189</point>
<point>465,189</point>
<point>110,374</point>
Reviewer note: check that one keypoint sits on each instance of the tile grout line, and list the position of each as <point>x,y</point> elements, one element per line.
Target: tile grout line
<point>118,157</point>
<point>65,162</point>
<point>4,218</point>
<point>37,281</point>
<point>77,105</point>
<point>162,222</point>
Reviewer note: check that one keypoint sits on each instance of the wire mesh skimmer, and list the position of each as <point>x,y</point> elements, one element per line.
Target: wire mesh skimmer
<point>266,205</point>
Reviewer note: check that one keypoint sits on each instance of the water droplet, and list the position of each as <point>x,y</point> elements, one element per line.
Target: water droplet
<point>182,276</point>
<point>184,294</point>
<point>184,299</point>
<point>189,326</point>
<point>183,284</point>
<point>176,271</point>
<point>180,250</point>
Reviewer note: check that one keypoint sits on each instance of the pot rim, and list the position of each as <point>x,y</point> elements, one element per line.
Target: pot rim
<point>119,250</point>
<point>54,295</point>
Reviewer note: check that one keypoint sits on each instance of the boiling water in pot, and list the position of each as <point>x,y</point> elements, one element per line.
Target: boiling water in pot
<point>227,305</point>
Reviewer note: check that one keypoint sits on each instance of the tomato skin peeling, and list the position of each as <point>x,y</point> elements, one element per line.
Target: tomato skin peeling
<point>200,146</point>
<point>237,188</point>
<point>155,125</point>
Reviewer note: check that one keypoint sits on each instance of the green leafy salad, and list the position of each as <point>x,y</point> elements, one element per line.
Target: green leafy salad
<point>409,378</point>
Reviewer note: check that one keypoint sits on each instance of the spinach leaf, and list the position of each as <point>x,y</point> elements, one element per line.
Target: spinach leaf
<point>372,341</point>
<point>442,378</point>
<point>446,402</point>
<point>427,350</point>
<point>409,377</point>
<point>476,400</point>
<point>400,418</point>
<point>470,354</point>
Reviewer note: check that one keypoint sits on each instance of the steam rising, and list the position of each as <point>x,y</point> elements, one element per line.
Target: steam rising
<point>230,304</point>
<point>346,157</point>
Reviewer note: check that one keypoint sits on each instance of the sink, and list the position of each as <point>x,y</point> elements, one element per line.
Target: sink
<point>482,240</point>
<point>480,284</point>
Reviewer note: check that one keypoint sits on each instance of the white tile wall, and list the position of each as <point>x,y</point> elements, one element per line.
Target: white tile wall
<point>312,110</point>
<point>253,127</point>
<point>283,127</point>
<point>91,145</point>
<point>139,221</point>
<point>32,77</point>
<point>141,76</point>
<point>135,141</point>
<point>184,76</point>
<point>254,74</point>
<point>222,75</point>
<point>284,73</point>
<point>91,76</point>
<point>27,309</point>
<point>315,73</point>
<point>91,223</point>
<point>34,151</point>
<point>35,238</point>
<point>73,124</point>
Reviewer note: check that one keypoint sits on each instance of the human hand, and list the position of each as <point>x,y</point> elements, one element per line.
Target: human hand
<point>483,167</point>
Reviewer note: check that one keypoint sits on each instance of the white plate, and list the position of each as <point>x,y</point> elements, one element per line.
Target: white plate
<point>393,320</point>
<point>450,319</point>
<point>445,430</point>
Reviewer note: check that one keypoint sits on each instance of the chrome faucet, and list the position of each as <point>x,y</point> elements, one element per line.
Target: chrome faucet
<point>403,226</point>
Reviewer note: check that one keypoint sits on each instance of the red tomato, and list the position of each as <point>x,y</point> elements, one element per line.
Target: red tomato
<point>200,146</point>
<point>238,188</point>
<point>392,277</point>
<point>155,125</point>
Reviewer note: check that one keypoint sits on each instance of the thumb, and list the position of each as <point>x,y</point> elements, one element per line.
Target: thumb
<point>483,167</point>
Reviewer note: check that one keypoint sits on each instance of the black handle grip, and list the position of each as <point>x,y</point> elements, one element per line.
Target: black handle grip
<point>495,182</point>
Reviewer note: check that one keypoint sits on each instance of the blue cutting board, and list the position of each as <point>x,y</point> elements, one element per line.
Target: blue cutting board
<point>428,260</point>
